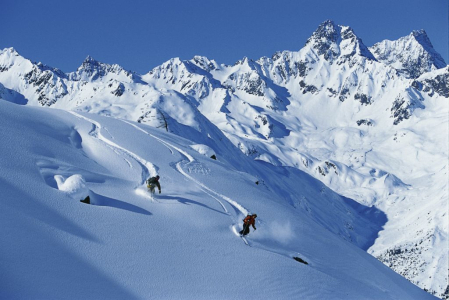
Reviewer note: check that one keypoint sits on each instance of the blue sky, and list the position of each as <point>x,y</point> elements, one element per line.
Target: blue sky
<point>140,35</point>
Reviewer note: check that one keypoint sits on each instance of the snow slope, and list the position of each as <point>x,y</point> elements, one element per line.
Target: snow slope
<point>370,123</point>
<point>182,243</point>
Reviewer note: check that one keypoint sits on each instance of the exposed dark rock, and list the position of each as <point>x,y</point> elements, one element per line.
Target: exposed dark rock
<point>302,68</point>
<point>343,94</point>
<point>364,99</point>
<point>332,92</point>
<point>298,259</point>
<point>86,200</point>
<point>308,88</point>
<point>321,171</point>
<point>439,84</point>
<point>365,122</point>
<point>403,106</point>
<point>323,38</point>
<point>253,86</point>
<point>204,63</point>
<point>324,170</point>
<point>119,90</point>
<point>400,110</point>
<point>331,165</point>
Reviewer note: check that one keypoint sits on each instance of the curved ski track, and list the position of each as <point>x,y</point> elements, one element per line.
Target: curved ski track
<point>213,194</point>
<point>149,169</point>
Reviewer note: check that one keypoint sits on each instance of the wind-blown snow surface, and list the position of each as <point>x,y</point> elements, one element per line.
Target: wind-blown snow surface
<point>181,244</point>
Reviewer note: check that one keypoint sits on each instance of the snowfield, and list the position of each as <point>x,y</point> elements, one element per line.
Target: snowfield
<point>341,149</point>
<point>181,244</point>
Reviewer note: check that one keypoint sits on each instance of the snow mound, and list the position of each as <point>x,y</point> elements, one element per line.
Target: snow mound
<point>74,186</point>
<point>203,150</point>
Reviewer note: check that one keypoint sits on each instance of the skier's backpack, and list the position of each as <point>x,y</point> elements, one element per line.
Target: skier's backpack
<point>246,220</point>
<point>152,180</point>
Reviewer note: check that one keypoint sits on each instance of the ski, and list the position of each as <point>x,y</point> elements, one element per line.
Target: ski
<point>237,233</point>
<point>244,240</point>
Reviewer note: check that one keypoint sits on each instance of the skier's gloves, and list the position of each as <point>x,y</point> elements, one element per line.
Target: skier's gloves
<point>159,192</point>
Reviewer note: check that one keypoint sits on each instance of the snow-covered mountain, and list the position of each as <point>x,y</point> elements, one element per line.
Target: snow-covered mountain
<point>371,123</point>
<point>182,244</point>
<point>412,55</point>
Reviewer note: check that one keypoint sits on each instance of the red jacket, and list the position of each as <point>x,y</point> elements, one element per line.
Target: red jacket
<point>250,220</point>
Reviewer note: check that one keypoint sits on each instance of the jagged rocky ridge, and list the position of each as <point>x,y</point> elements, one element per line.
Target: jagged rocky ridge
<point>412,55</point>
<point>335,109</point>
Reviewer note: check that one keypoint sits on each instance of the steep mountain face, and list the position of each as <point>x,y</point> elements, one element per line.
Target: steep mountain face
<point>412,55</point>
<point>370,123</point>
<point>337,42</point>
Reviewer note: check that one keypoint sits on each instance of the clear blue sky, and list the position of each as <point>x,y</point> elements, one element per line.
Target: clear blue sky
<point>140,35</point>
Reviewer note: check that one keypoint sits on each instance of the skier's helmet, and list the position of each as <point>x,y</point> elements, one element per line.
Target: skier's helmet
<point>157,177</point>
<point>255,215</point>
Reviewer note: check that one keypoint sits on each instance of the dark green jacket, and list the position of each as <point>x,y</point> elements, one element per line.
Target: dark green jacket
<point>154,180</point>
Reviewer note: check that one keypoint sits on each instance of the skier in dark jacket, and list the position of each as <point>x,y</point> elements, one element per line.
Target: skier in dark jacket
<point>152,183</point>
<point>250,220</point>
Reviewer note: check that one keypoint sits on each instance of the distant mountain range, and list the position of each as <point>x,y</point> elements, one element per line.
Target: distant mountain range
<point>370,122</point>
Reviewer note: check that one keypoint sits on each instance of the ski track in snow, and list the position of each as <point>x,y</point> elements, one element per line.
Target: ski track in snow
<point>213,194</point>
<point>147,167</point>
<point>210,191</point>
<point>191,159</point>
<point>168,145</point>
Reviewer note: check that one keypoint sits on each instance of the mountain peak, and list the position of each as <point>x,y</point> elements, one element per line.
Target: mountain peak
<point>243,61</point>
<point>10,53</point>
<point>327,26</point>
<point>328,40</point>
<point>419,32</point>
<point>421,36</point>
<point>423,39</point>
<point>327,30</point>
<point>204,63</point>
<point>92,69</point>
<point>10,50</point>
<point>89,59</point>
<point>412,55</point>
<point>89,63</point>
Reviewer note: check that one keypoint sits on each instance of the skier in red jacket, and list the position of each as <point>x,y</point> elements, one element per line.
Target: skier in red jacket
<point>250,220</point>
